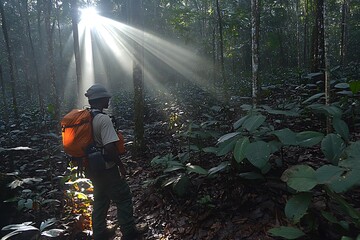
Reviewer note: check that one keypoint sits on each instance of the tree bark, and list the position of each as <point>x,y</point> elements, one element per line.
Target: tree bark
<point>10,61</point>
<point>138,81</point>
<point>74,21</point>
<point>6,112</point>
<point>50,51</point>
<point>318,56</point>
<point>255,27</point>
<point>34,61</point>
<point>222,63</point>
<point>344,33</point>
<point>327,67</point>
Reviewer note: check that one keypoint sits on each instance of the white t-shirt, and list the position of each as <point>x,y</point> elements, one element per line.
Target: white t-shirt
<point>104,133</point>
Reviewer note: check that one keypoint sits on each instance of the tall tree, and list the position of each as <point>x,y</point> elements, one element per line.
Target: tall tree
<point>138,81</point>
<point>344,32</point>
<point>255,34</point>
<point>6,113</point>
<point>74,21</point>
<point>10,59</point>
<point>50,51</point>
<point>222,63</point>
<point>318,48</point>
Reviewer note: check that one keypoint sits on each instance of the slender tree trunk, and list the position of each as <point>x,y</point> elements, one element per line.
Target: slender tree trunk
<point>62,70</point>
<point>298,48</point>
<point>344,32</point>
<point>25,50</point>
<point>6,112</point>
<point>10,60</point>
<point>255,27</point>
<point>34,62</point>
<point>222,63</point>
<point>138,81</point>
<point>50,52</point>
<point>305,52</point>
<point>318,57</point>
<point>74,20</point>
<point>327,67</point>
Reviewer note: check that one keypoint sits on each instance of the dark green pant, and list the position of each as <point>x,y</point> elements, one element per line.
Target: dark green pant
<point>110,186</point>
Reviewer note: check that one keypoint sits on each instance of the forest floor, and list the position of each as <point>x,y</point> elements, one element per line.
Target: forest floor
<point>221,207</point>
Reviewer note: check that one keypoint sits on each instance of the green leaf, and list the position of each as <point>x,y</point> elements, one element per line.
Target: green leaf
<point>53,232</point>
<point>240,148</point>
<point>47,223</point>
<point>258,153</point>
<point>196,169</point>
<point>353,156</point>
<point>327,110</point>
<point>173,169</point>
<point>210,149</point>
<point>302,178</point>
<point>286,136</point>
<point>297,206</point>
<point>314,97</point>
<point>346,181</point>
<point>227,146</point>
<point>282,112</point>
<point>286,232</point>
<point>252,123</point>
<point>342,85</point>
<point>308,138</point>
<point>218,168</point>
<point>240,122</point>
<point>341,128</point>
<point>16,226</point>
<point>333,147</point>
<point>227,137</point>
<point>328,174</point>
<point>355,86</point>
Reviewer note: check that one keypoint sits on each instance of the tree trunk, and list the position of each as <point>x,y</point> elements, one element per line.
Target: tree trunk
<point>50,52</point>
<point>62,69</point>
<point>74,21</point>
<point>318,56</point>
<point>34,61</point>
<point>25,49</point>
<point>222,64</point>
<point>138,81</point>
<point>6,112</point>
<point>298,48</point>
<point>344,33</point>
<point>305,52</point>
<point>10,61</point>
<point>327,67</point>
<point>255,27</point>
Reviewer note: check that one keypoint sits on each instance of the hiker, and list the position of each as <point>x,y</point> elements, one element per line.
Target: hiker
<point>109,184</point>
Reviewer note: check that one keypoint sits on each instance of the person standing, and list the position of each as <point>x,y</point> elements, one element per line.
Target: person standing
<point>109,183</point>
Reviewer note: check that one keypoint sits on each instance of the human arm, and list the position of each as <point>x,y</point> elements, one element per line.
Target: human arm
<point>112,154</point>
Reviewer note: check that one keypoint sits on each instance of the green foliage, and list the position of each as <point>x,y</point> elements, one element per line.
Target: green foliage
<point>297,206</point>
<point>27,226</point>
<point>287,232</point>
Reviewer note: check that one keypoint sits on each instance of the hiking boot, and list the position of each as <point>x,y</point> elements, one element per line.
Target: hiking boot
<point>135,235</point>
<point>109,233</point>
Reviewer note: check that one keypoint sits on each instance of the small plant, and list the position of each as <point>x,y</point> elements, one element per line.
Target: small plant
<point>28,226</point>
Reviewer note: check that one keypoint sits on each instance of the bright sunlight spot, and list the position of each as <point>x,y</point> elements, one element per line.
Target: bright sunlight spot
<point>89,15</point>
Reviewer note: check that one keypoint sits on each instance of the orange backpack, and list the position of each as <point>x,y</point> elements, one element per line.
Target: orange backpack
<point>77,133</point>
